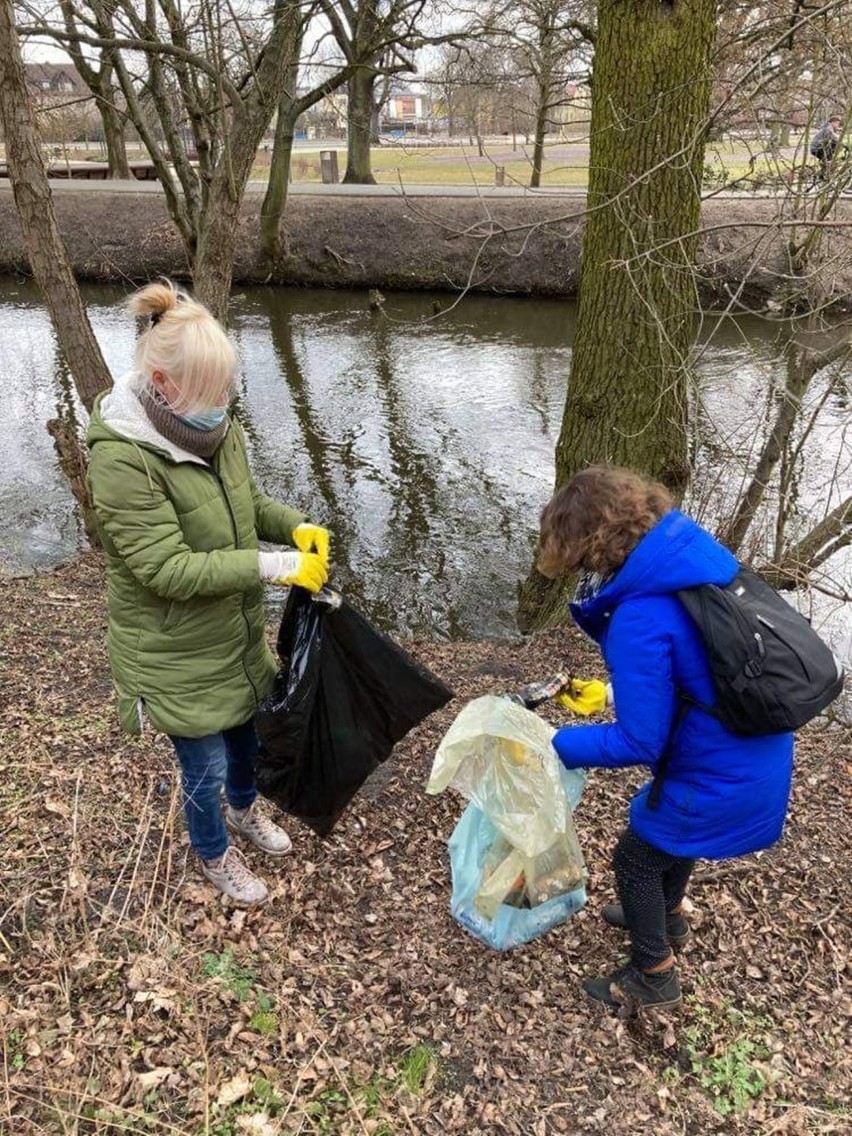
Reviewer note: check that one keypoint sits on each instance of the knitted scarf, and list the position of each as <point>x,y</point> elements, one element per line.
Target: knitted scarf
<point>202,443</point>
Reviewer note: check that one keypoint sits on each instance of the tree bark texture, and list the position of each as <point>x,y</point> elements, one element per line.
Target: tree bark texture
<point>72,462</point>
<point>289,109</point>
<point>359,170</point>
<point>34,203</point>
<point>627,392</point>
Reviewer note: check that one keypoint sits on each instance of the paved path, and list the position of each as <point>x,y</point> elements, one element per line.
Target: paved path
<point>314,189</point>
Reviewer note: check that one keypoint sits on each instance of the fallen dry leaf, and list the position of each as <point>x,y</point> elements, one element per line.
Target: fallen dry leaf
<point>234,1090</point>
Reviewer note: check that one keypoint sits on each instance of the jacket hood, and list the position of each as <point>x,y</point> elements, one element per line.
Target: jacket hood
<point>676,553</point>
<point>120,414</point>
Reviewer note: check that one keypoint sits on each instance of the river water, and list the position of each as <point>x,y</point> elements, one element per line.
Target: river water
<point>424,439</point>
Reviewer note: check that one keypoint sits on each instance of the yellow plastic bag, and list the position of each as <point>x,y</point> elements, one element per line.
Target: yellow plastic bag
<point>500,756</point>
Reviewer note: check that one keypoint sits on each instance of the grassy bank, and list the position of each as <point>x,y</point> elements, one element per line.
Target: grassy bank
<point>134,1000</point>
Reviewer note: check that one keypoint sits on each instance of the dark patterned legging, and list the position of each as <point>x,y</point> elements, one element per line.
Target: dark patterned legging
<point>650,885</point>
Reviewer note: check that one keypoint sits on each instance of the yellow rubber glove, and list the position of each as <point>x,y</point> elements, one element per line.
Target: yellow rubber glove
<point>585,696</point>
<point>299,569</point>
<point>312,538</point>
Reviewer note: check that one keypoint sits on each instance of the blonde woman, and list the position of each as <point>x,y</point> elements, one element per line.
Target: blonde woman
<point>181,518</point>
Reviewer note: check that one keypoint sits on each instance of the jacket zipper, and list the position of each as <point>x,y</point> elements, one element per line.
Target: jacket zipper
<point>242,595</point>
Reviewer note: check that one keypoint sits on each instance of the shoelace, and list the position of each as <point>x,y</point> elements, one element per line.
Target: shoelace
<point>261,824</point>
<point>235,867</point>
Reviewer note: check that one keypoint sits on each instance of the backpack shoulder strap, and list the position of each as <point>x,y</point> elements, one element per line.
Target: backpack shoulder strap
<point>683,704</point>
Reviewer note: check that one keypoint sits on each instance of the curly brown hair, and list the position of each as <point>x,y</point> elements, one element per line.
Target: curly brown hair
<point>597,519</point>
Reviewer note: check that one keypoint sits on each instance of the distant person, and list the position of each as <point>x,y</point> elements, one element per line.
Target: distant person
<point>824,144</point>
<point>181,517</point>
<point>722,795</point>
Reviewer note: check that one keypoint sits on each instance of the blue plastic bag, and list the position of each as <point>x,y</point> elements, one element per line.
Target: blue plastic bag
<point>471,841</point>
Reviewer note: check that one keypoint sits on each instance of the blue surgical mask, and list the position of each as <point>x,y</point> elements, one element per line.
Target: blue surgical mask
<point>206,419</point>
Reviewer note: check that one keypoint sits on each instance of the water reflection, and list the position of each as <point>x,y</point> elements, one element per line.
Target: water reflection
<point>425,444</point>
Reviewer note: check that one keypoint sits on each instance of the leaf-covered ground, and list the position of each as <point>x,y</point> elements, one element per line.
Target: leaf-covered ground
<point>133,999</point>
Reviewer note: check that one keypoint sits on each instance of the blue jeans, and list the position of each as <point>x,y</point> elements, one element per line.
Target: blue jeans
<point>206,765</point>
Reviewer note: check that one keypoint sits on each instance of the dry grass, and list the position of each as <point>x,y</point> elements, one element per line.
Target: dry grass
<point>135,1000</point>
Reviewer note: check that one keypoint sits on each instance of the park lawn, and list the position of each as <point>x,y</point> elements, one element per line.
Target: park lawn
<point>457,166</point>
<point>443,166</point>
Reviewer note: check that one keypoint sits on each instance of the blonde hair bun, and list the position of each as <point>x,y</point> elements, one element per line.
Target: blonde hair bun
<point>155,299</point>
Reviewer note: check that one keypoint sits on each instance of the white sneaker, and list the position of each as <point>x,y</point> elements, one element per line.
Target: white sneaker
<point>232,876</point>
<point>259,829</point>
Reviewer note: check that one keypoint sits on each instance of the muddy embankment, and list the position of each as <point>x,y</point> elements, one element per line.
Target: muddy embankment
<point>519,246</point>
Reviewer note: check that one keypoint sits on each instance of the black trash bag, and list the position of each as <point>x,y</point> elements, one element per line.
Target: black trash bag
<point>344,696</point>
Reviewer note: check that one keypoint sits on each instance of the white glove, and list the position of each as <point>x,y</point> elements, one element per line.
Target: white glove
<point>302,569</point>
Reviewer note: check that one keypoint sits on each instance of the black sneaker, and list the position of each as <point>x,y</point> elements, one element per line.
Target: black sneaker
<point>628,986</point>
<point>677,927</point>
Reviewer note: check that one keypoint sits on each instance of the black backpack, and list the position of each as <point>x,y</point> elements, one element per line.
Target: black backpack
<point>771,671</point>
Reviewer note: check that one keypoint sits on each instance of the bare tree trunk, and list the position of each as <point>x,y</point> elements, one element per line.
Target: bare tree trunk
<point>289,110</point>
<point>626,400</point>
<point>540,131</point>
<point>45,249</point>
<point>214,262</point>
<point>275,199</point>
<point>359,169</point>
<point>113,128</point>
<point>184,221</point>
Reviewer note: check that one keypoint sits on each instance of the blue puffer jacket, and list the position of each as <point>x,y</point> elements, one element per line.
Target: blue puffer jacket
<point>723,795</point>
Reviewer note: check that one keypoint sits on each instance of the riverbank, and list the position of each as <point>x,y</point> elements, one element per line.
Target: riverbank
<point>134,999</point>
<point>512,246</point>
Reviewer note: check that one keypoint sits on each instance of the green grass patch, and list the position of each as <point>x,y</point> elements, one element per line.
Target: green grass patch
<point>727,1054</point>
<point>233,976</point>
<point>242,982</point>
<point>414,1068</point>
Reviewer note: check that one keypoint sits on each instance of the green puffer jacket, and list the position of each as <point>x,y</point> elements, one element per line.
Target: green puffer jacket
<point>186,640</point>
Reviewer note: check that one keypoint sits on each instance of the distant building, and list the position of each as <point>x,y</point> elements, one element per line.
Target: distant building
<point>407,106</point>
<point>55,82</point>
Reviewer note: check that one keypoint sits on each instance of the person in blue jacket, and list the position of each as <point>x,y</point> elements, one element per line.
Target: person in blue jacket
<point>722,795</point>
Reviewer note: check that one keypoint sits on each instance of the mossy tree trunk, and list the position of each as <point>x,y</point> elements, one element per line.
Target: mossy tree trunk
<point>627,391</point>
